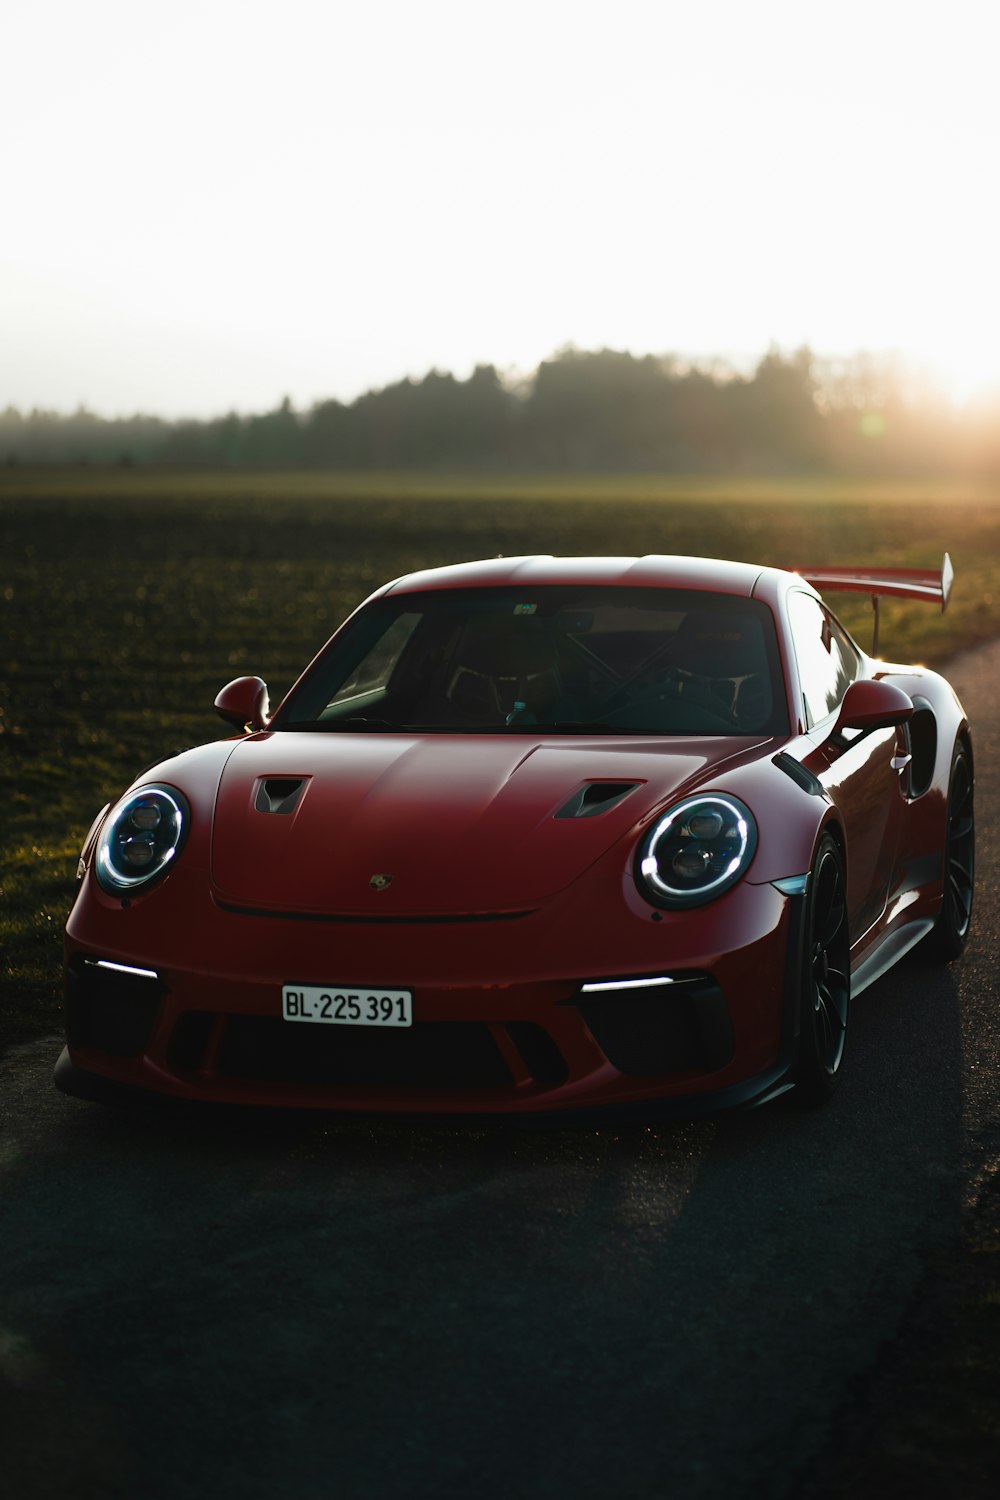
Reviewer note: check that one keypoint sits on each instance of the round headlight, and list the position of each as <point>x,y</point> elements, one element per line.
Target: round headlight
<point>142,834</point>
<point>696,851</point>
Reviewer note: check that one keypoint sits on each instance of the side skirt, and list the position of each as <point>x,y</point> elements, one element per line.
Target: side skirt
<point>888,952</point>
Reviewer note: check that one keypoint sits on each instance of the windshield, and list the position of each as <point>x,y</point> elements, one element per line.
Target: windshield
<point>558,658</point>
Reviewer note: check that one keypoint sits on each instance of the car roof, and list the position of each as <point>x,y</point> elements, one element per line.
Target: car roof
<point>653,571</point>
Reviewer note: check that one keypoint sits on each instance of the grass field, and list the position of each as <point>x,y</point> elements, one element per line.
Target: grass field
<point>127,600</point>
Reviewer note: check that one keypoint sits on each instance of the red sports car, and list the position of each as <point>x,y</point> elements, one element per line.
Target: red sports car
<point>533,835</point>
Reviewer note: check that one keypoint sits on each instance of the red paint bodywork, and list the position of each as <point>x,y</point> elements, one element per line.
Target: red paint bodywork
<point>498,912</point>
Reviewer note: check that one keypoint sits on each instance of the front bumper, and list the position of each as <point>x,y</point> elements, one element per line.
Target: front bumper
<point>502,1024</point>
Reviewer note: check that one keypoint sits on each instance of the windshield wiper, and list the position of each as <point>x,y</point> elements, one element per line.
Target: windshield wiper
<point>356,724</point>
<point>360,724</point>
<point>583,726</point>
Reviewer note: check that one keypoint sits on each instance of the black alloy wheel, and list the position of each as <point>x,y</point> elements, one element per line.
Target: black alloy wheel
<point>826,978</point>
<point>948,937</point>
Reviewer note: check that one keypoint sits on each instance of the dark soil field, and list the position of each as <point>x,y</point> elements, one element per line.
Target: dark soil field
<point>128,599</point>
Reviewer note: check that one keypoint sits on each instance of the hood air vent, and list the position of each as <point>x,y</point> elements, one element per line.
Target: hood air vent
<point>596,797</point>
<point>279,794</point>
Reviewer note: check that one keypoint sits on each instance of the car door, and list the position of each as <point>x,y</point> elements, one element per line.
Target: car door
<point>860,771</point>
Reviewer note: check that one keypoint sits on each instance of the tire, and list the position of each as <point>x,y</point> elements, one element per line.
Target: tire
<point>947,939</point>
<point>825,992</point>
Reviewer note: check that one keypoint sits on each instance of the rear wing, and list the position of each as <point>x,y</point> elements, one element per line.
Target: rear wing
<point>900,583</point>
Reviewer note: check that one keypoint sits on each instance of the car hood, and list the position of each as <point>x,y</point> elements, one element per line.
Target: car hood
<point>385,825</point>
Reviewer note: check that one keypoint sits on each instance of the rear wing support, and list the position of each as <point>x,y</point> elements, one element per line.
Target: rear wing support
<point>900,583</point>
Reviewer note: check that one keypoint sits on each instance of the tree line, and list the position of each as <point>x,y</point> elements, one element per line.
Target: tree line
<point>580,410</point>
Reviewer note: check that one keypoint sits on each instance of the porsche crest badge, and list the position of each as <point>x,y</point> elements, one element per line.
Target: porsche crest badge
<point>380,882</point>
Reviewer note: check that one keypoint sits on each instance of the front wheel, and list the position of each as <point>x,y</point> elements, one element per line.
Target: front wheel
<point>825,979</point>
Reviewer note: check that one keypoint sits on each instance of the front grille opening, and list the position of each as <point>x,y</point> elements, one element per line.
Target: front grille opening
<point>110,1011</point>
<point>189,1042</point>
<point>445,1055</point>
<point>542,1057</point>
<point>665,1029</point>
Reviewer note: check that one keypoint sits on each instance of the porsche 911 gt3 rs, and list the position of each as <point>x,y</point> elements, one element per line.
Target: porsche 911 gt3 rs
<point>533,835</point>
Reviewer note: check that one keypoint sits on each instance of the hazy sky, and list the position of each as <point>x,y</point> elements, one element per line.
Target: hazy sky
<point>209,205</point>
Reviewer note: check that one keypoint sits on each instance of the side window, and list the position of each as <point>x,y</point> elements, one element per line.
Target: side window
<point>374,670</point>
<point>828,661</point>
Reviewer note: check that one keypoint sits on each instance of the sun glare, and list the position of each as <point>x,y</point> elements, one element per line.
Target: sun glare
<point>967,373</point>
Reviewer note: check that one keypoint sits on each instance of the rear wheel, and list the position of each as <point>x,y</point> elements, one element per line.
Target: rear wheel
<point>948,936</point>
<point>826,978</point>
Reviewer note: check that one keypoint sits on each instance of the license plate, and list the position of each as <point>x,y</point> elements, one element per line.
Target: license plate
<point>334,1005</point>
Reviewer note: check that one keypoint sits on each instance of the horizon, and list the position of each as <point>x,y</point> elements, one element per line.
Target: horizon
<point>904,379</point>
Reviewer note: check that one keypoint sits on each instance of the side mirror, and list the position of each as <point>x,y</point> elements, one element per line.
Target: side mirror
<point>873,705</point>
<point>244,704</point>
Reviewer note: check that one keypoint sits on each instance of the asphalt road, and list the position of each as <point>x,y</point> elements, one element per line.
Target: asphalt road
<point>251,1305</point>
